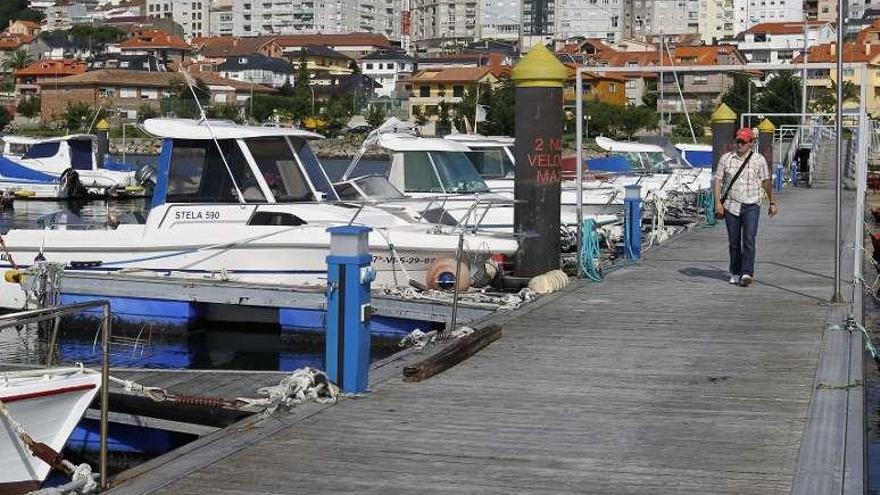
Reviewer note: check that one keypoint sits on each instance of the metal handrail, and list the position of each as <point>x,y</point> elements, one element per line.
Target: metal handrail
<point>38,315</point>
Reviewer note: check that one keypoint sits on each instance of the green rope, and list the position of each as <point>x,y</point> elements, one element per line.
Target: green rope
<point>589,255</point>
<point>707,199</point>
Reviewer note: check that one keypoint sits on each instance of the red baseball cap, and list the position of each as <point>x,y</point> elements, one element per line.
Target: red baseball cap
<point>745,134</point>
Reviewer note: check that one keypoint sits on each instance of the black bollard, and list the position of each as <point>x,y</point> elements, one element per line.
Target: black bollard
<point>102,129</point>
<point>723,130</point>
<point>539,78</point>
<point>765,142</point>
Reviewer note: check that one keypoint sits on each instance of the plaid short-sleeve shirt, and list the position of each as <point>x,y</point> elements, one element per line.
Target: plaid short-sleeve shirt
<point>747,188</point>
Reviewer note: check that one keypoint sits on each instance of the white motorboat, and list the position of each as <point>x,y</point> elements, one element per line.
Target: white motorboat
<point>47,405</point>
<point>46,167</point>
<point>243,203</point>
<point>492,156</point>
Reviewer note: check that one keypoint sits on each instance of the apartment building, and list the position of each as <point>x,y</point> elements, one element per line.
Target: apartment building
<point>192,15</point>
<point>747,13</point>
<point>280,17</point>
<point>667,17</point>
<point>780,42</point>
<point>716,20</point>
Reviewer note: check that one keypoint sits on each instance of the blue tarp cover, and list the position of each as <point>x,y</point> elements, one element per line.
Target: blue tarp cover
<point>702,159</point>
<point>613,163</point>
<point>12,170</point>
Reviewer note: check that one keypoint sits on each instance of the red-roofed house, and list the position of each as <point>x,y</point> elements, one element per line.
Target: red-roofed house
<point>866,53</point>
<point>779,42</point>
<point>427,88</point>
<point>28,29</point>
<point>164,46</point>
<point>701,90</point>
<point>29,79</point>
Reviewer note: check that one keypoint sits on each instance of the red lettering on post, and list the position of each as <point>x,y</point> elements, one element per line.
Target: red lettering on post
<point>538,144</point>
<point>555,144</point>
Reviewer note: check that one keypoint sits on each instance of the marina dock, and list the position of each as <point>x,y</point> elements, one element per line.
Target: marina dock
<point>662,378</point>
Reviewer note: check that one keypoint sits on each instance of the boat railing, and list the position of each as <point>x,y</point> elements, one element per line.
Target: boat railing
<point>55,313</point>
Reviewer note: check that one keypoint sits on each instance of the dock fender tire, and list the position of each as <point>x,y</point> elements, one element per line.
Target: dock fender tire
<point>440,275</point>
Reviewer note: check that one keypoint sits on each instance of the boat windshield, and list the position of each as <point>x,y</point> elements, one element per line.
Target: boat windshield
<point>374,187</point>
<point>198,172</point>
<point>655,162</point>
<point>492,163</point>
<point>457,172</point>
<point>279,168</point>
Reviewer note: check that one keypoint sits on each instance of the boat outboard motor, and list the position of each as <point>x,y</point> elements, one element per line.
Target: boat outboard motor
<point>71,184</point>
<point>146,178</point>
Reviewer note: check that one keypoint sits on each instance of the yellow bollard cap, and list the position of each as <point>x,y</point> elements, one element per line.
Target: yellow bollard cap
<point>723,114</point>
<point>539,69</point>
<point>103,125</point>
<point>766,126</point>
<point>13,276</point>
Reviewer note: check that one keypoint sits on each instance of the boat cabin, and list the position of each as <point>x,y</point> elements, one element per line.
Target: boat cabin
<point>54,155</point>
<point>492,156</point>
<point>215,161</point>
<point>634,158</point>
<point>431,165</point>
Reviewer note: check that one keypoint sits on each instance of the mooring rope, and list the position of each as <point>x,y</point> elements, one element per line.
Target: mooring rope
<point>590,252</point>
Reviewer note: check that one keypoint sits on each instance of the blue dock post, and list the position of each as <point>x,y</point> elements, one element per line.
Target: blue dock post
<point>347,357</point>
<point>632,233</point>
<point>778,177</point>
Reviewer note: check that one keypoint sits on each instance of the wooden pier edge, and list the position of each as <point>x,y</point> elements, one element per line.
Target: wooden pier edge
<point>453,354</point>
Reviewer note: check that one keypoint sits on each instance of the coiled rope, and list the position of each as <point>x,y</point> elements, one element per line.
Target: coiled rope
<point>589,255</point>
<point>707,199</point>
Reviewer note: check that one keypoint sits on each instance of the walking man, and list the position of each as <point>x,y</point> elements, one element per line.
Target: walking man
<point>746,174</point>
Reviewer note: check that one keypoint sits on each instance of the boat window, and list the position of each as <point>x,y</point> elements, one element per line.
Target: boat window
<point>275,218</point>
<point>346,190</point>
<point>278,165</point>
<point>313,167</point>
<point>197,173</point>
<point>420,175</point>
<point>491,163</point>
<point>42,150</point>
<point>457,172</point>
<point>80,154</point>
<point>376,187</point>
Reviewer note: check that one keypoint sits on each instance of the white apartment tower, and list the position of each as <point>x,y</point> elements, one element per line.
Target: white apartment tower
<point>268,17</point>
<point>192,15</point>
<point>716,20</point>
<point>440,22</point>
<point>654,17</point>
<point>747,13</point>
<point>601,19</point>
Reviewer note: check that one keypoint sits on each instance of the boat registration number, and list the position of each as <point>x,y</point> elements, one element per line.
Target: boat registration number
<point>405,260</point>
<point>197,215</point>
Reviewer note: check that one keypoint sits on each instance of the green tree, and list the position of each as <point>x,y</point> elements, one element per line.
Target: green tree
<point>375,116</point>
<point>682,132</point>
<point>301,106</point>
<point>180,100</point>
<point>781,94</point>
<point>825,99</point>
<point>17,10</point>
<point>603,118</point>
<point>225,111</point>
<point>77,116</point>
<point>19,59</point>
<point>286,89</point>
<point>737,95</point>
<point>635,118</point>
<point>500,118</point>
<point>5,117</point>
<point>338,113</point>
<point>419,117</point>
<point>97,34</point>
<point>444,119</point>
<point>146,111</point>
<point>649,98</point>
<point>29,107</point>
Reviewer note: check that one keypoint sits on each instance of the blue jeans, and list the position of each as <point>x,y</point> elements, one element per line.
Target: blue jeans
<point>741,233</point>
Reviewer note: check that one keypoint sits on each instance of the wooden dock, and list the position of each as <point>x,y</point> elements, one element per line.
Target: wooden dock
<point>661,379</point>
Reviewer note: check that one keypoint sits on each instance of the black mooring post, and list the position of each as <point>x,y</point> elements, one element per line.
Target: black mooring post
<point>539,79</point>
<point>723,130</point>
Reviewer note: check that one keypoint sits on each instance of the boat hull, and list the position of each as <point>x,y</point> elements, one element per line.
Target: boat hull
<point>48,409</point>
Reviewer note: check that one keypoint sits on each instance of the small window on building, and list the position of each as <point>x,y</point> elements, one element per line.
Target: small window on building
<point>701,79</point>
<point>458,91</point>
<point>106,92</point>
<point>369,66</point>
<point>424,91</point>
<point>612,87</point>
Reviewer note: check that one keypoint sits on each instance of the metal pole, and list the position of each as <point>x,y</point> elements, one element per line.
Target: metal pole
<point>579,140</point>
<point>804,85</point>
<point>453,320</point>
<point>861,180</point>
<point>838,158</point>
<point>105,394</point>
<point>660,105</point>
<point>123,142</point>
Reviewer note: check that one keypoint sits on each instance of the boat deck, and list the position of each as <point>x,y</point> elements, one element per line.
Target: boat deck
<point>660,379</point>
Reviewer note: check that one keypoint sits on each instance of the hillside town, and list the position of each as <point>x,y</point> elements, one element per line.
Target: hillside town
<point>337,67</point>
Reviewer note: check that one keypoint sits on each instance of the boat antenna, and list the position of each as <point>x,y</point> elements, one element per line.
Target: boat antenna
<point>678,85</point>
<point>191,83</point>
<point>393,124</point>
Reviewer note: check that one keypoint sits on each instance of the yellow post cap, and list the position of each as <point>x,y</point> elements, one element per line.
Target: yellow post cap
<point>723,114</point>
<point>103,125</point>
<point>766,126</point>
<point>539,69</point>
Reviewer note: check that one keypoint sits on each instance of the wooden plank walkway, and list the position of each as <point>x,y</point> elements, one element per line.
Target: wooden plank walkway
<point>661,379</point>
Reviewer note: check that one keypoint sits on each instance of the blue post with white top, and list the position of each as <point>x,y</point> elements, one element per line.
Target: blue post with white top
<point>632,232</point>
<point>347,357</point>
<point>778,177</point>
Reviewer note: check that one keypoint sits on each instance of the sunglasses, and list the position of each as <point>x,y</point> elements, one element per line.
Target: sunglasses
<point>740,141</point>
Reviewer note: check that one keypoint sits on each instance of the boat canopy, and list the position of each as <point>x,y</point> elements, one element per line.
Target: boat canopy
<point>480,141</point>
<point>29,141</point>
<point>408,142</point>
<point>609,144</point>
<point>217,129</point>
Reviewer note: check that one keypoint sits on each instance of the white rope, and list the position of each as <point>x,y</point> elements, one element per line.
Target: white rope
<point>306,384</point>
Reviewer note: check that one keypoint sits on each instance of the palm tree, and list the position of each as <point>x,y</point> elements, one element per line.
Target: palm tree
<point>19,59</point>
